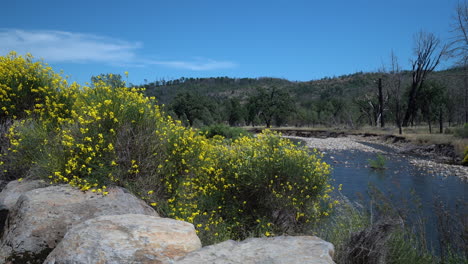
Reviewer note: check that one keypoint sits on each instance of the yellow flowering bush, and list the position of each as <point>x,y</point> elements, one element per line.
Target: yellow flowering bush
<point>28,86</point>
<point>29,89</point>
<point>250,187</point>
<point>93,137</point>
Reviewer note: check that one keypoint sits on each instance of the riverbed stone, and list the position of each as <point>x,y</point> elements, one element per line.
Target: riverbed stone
<point>274,250</point>
<point>41,217</point>
<point>130,238</point>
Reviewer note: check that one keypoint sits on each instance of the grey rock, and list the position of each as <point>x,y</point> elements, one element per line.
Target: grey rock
<point>272,250</point>
<point>10,195</point>
<point>41,217</point>
<point>15,189</point>
<point>130,238</point>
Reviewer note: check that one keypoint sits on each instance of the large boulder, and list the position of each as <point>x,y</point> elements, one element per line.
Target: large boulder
<point>14,189</point>
<point>10,195</point>
<point>130,238</point>
<point>41,217</point>
<point>274,250</point>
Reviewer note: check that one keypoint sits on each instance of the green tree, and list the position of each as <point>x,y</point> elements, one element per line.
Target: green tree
<point>270,105</point>
<point>235,112</point>
<point>113,80</point>
<point>432,102</point>
<point>196,109</point>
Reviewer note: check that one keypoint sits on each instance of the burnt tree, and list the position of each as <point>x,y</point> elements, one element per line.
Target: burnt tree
<point>428,51</point>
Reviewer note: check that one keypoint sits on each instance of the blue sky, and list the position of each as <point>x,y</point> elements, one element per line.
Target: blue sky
<point>296,40</point>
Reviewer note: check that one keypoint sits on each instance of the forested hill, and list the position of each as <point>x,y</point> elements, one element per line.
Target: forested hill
<point>226,87</point>
<point>348,99</point>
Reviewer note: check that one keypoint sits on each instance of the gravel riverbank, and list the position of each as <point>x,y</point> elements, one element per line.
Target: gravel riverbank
<point>337,144</point>
<point>331,145</point>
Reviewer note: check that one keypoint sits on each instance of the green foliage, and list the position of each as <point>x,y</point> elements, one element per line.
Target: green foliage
<point>378,163</point>
<point>224,131</point>
<point>462,132</point>
<point>260,186</point>
<point>235,112</point>
<point>113,80</point>
<point>339,226</point>
<point>406,247</point>
<point>271,105</point>
<point>193,108</point>
<point>406,244</point>
<point>465,159</point>
<point>349,100</point>
<point>112,135</point>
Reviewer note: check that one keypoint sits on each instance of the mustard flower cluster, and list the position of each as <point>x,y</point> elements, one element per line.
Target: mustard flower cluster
<point>97,136</point>
<point>29,87</point>
<point>262,185</point>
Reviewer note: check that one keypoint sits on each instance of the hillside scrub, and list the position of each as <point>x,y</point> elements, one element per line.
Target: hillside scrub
<point>93,137</point>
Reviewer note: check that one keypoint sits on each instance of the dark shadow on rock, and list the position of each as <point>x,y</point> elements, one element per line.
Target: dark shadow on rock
<point>3,217</point>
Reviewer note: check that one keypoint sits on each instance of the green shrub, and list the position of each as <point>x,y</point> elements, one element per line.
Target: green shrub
<point>378,163</point>
<point>223,130</point>
<point>338,227</point>
<point>259,186</point>
<point>462,132</point>
<point>465,160</point>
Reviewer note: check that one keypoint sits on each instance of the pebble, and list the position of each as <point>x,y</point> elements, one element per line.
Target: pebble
<point>341,143</point>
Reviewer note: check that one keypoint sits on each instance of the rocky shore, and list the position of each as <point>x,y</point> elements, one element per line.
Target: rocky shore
<point>336,144</point>
<point>432,159</point>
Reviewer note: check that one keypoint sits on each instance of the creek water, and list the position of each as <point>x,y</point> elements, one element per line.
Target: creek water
<point>418,194</point>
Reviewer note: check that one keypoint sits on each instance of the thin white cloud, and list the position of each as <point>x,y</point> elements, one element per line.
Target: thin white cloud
<point>197,65</point>
<point>61,46</point>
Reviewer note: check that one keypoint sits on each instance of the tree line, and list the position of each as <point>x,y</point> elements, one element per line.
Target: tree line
<point>391,95</point>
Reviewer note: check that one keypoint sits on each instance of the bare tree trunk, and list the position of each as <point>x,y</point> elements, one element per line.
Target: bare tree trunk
<point>430,127</point>
<point>428,116</point>
<point>428,56</point>
<point>410,111</point>
<point>465,81</point>
<point>381,107</point>
<point>441,122</point>
<point>398,117</point>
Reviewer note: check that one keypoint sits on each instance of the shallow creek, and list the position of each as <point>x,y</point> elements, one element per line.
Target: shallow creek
<point>414,190</point>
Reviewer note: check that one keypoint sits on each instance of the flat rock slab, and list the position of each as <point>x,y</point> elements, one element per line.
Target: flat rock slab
<point>130,238</point>
<point>274,250</point>
<point>41,217</point>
